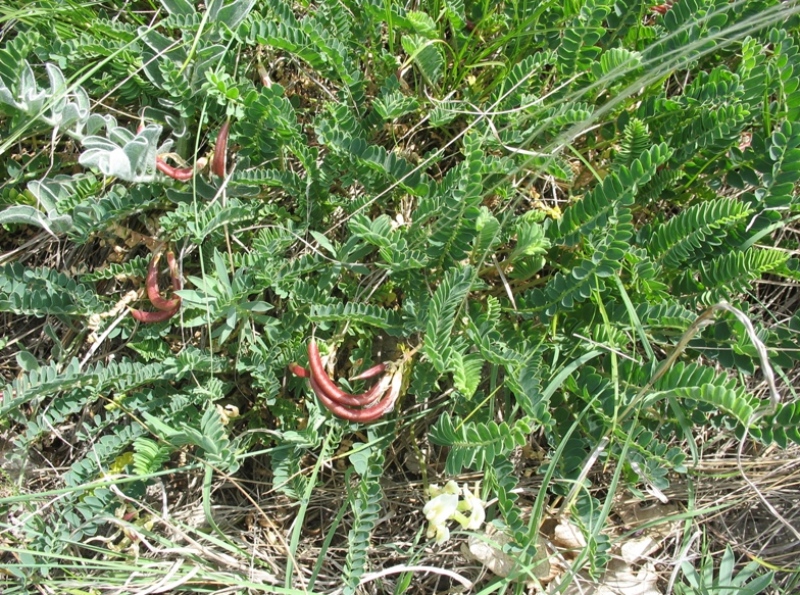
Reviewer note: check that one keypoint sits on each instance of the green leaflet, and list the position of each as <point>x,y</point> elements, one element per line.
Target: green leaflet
<point>474,445</point>
<point>149,456</point>
<point>377,158</point>
<point>44,292</point>
<point>447,300</point>
<point>366,507</point>
<point>696,229</point>
<point>578,48</point>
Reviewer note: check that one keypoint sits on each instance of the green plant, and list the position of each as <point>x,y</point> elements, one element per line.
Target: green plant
<point>530,205</point>
<point>725,580</point>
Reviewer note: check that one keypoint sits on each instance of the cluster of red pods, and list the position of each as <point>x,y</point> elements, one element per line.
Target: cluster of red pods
<point>365,407</point>
<point>165,308</point>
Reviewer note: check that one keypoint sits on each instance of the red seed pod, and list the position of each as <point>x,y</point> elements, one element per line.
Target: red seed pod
<point>343,403</point>
<point>349,400</point>
<point>151,317</point>
<point>152,287</point>
<point>168,308</point>
<point>356,415</point>
<point>182,174</point>
<point>221,151</point>
<point>366,399</point>
<point>371,373</point>
<point>319,374</point>
<point>178,173</point>
<point>299,370</point>
<point>333,392</point>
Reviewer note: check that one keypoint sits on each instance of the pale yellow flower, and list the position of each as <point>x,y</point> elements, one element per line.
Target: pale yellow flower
<point>439,509</point>
<point>445,505</point>
<point>474,504</point>
<point>441,532</point>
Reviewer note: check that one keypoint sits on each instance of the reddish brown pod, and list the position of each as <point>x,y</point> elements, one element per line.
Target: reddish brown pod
<point>367,415</point>
<point>299,370</point>
<point>221,151</point>
<point>363,408</point>
<point>371,373</point>
<point>183,174</point>
<point>153,292</point>
<point>346,399</point>
<point>318,373</point>
<point>366,399</point>
<point>332,391</point>
<point>153,317</point>
<point>662,8</point>
<point>167,307</point>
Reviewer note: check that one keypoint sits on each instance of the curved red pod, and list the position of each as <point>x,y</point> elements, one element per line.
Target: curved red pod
<point>360,400</point>
<point>177,173</point>
<point>372,372</point>
<point>151,317</point>
<point>153,292</point>
<point>332,391</point>
<point>221,151</point>
<point>367,399</point>
<point>357,415</point>
<point>299,370</point>
<point>318,373</point>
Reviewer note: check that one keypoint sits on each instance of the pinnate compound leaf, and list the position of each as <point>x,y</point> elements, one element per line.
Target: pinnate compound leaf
<point>466,372</point>
<point>698,227</point>
<point>149,456</point>
<point>357,313</point>
<point>366,507</point>
<point>475,444</point>
<point>446,301</point>
<point>426,55</point>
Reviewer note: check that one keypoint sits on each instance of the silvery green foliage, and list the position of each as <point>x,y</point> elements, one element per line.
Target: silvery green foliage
<point>122,154</point>
<point>67,108</point>
<point>232,15</point>
<point>56,106</point>
<point>51,222</point>
<point>47,193</point>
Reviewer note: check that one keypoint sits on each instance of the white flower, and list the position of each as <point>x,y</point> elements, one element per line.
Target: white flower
<point>477,513</point>
<point>445,505</point>
<point>450,487</point>
<point>441,532</point>
<point>439,509</point>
